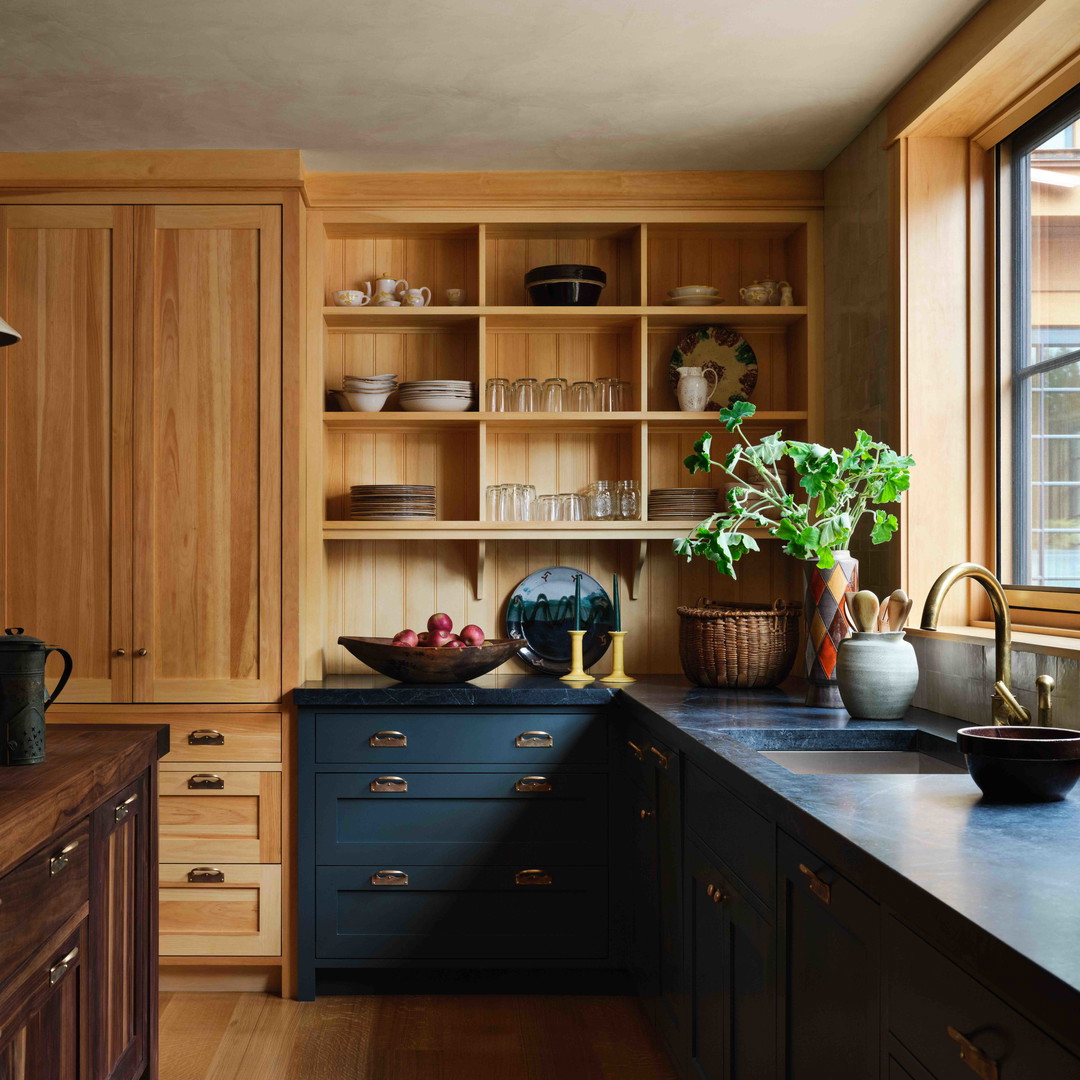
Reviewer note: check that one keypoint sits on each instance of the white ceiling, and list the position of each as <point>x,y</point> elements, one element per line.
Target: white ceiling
<point>472,84</point>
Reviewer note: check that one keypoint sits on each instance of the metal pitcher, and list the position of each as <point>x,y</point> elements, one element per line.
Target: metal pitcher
<point>23,698</point>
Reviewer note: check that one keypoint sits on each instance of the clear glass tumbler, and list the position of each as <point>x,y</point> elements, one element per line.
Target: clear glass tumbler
<point>627,500</point>
<point>623,396</point>
<point>497,395</point>
<point>494,502</point>
<point>547,508</point>
<point>581,397</point>
<point>553,395</point>
<point>570,507</point>
<point>605,394</point>
<point>526,394</point>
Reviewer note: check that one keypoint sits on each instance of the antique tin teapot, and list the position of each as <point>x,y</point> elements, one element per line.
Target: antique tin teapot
<point>23,699</point>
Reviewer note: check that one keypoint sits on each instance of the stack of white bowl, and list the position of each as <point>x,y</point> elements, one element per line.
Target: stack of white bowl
<point>368,393</point>
<point>437,395</point>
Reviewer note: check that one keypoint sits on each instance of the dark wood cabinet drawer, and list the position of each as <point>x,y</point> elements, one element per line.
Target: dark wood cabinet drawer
<point>440,737</point>
<point>739,835</point>
<point>528,911</point>
<point>460,818</point>
<point>936,1010</point>
<point>41,894</point>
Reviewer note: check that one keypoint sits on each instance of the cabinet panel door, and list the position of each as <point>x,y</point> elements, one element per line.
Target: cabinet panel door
<point>65,427</point>
<point>207,458</point>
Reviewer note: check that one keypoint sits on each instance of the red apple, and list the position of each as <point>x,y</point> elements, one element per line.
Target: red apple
<point>406,637</point>
<point>423,639</point>
<point>472,635</point>
<point>458,644</point>
<point>441,621</point>
<point>438,638</point>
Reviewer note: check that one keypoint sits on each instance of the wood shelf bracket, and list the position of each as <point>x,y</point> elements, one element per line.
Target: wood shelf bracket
<point>638,550</point>
<point>479,569</point>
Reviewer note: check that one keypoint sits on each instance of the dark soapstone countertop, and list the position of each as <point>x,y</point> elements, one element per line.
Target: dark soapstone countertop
<point>924,842</point>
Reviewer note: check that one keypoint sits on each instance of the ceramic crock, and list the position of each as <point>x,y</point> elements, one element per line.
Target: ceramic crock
<point>877,675</point>
<point>23,698</point>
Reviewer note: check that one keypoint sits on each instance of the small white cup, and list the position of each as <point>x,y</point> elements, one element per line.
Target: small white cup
<point>455,297</point>
<point>351,298</point>
<point>417,297</point>
<point>389,303</point>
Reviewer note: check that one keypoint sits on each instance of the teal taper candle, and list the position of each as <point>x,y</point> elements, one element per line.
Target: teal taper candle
<point>577,602</point>
<point>617,612</point>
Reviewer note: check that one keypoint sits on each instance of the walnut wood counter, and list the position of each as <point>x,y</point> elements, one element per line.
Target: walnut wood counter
<point>78,919</point>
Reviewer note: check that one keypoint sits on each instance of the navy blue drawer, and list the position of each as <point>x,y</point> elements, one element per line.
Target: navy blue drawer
<point>524,738</point>
<point>459,818</point>
<point>462,913</point>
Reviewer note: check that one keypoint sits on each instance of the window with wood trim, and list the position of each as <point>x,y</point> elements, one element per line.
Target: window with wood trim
<point>1039,358</point>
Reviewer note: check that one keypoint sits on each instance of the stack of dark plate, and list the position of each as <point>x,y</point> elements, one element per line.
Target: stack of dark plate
<point>392,502</point>
<point>682,503</point>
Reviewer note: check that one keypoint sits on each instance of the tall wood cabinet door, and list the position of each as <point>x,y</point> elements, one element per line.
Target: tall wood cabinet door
<point>65,438</point>
<point>207,557</point>
<point>121,935</point>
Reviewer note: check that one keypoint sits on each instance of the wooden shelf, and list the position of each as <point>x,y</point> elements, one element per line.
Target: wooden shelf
<point>542,421</point>
<point>555,318</point>
<point>511,530</point>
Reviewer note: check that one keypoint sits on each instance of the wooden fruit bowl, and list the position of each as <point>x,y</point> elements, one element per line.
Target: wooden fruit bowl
<point>416,664</point>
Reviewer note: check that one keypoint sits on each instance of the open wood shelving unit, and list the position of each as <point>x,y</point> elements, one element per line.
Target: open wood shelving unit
<point>630,334</point>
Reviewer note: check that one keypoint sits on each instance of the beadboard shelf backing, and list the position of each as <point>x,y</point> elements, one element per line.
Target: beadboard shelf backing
<point>375,577</point>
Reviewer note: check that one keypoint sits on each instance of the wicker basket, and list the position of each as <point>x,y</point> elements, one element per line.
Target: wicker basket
<point>738,644</point>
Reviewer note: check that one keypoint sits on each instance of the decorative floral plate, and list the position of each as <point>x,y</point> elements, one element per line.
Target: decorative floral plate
<point>726,352</point>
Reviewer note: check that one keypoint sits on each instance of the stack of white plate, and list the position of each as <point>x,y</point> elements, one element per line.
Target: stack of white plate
<point>392,502</point>
<point>368,393</point>
<point>437,395</point>
<point>672,503</point>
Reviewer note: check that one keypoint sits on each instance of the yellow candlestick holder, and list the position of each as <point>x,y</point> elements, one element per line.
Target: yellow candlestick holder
<point>617,673</point>
<point>577,672</point>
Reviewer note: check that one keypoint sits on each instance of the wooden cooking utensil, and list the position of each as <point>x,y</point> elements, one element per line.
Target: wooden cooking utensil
<point>864,609</point>
<point>899,609</point>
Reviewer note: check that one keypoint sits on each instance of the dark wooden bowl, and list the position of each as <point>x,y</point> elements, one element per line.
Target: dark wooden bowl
<point>1022,764</point>
<point>416,664</point>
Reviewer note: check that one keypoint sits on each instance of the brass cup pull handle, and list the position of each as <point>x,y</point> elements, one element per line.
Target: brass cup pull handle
<point>662,759</point>
<point>388,738</point>
<point>636,750</point>
<point>389,877</point>
<point>60,860</point>
<point>206,875</point>
<point>532,877</point>
<point>206,781</point>
<point>388,783</point>
<point>206,737</point>
<point>533,783</point>
<point>978,1061</point>
<point>533,739</point>
<point>120,812</point>
<point>818,887</point>
<point>62,966</point>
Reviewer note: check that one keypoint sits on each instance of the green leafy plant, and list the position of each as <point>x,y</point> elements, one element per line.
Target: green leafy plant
<point>841,486</point>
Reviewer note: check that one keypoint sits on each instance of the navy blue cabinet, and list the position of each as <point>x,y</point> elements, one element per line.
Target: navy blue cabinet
<point>451,838</point>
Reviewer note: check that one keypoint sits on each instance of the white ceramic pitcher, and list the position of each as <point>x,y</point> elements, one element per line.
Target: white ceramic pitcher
<point>694,389</point>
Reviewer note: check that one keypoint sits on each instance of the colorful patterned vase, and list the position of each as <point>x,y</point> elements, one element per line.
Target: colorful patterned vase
<point>827,625</point>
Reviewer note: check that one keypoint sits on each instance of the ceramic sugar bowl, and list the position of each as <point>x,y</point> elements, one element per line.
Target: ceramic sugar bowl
<point>877,675</point>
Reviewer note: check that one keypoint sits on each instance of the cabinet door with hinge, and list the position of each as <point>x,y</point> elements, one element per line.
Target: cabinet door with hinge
<point>207,469</point>
<point>122,937</point>
<point>65,428</point>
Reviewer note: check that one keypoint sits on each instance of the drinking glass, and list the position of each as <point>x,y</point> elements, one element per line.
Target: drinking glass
<point>570,508</point>
<point>623,397</point>
<point>494,502</point>
<point>527,502</point>
<point>581,397</point>
<point>627,500</point>
<point>601,500</point>
<point>605,391</point>
<point>498,393</point>
<point>547,508</point>
<point>526,395</point>
<point>553,394</point>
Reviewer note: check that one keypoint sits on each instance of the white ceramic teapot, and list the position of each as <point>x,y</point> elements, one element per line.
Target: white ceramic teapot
<point>386,288</point>
<point>694,389</point>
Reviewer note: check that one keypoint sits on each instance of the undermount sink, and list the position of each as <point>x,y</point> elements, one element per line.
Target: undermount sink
<point>830,762</point>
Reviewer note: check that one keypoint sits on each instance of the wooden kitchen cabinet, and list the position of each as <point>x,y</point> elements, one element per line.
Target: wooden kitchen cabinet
<point>142,420</point>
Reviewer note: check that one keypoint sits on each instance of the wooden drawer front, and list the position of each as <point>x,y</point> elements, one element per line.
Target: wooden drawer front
<point>240,821</point>
<point>460,818</point>
<point>240,916</point>
<point>928,994</point>
<point>455,912</point>
<point>480,738</point>
<point>41,894</point>
<point>213,737</point>
<point>740,836</point>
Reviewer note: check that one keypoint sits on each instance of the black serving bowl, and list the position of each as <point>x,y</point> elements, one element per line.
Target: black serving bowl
<point>1022,764</point>
<point>565,284</point>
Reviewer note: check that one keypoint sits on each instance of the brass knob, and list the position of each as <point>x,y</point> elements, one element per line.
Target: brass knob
<point>140,652</point>
<point>718,897</point>
<point>645,814</point>
<point>119,652</point>
<point>710,889</point>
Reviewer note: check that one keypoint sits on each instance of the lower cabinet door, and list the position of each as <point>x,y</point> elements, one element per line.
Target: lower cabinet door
<point>641,908</point>
<point>516,913</point>
<point>830,938</point>
<point>731,957</point>
<point>223,909</point>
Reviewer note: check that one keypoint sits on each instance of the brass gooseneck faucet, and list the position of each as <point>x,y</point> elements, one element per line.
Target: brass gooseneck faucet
<point>1003,705</point>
